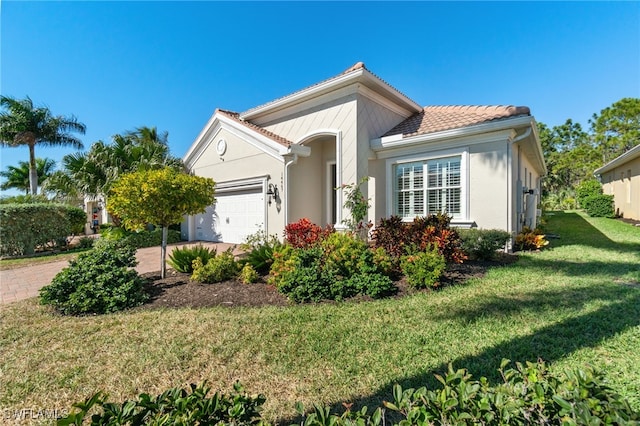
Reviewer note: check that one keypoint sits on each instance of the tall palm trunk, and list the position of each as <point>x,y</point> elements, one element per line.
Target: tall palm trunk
<point>33,170</point>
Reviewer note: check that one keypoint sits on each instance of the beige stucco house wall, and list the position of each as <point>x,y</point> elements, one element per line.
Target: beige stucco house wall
<point>293,154</point>
<point>621,178</point>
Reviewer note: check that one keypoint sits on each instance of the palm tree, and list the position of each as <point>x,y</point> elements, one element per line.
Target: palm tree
<point>92,173</point>
<point>18,177</point>
<point>23,124</point>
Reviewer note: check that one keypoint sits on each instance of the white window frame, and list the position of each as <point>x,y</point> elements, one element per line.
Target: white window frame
<point>463,216</point>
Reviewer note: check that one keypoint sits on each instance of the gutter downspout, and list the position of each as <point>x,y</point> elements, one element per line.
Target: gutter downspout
<point>292,161</point>
<point>526,134</point>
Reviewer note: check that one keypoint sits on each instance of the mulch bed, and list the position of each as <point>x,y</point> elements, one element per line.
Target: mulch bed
<point>178,291</point>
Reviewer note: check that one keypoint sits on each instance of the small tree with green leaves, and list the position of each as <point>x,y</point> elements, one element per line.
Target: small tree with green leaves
<point>358,205</point>
<point>160,197</point>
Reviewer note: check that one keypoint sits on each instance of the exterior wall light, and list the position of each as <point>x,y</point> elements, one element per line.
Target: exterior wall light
<point>272,192</point>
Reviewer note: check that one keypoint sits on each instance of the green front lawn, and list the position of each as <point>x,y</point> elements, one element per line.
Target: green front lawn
<point>575,303</point>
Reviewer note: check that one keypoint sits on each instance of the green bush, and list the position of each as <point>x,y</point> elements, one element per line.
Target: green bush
<point>304,279</point>
<point>260,249</point>
<point>193,406</point>
<point>339,267</point>
<point>98,281</point>
<point>141,239</point>
<point>423,269</point>
<point>181,259</point>
<point>384,262</point>
<point>600,206</point>
<point>399,238</point>
<point>482,244</point>
<point>220,268</point>
<point>25,199</point>
<point>86,242</point>
<point>375,285</point>
<point>527,395</point>
<point>248,275</point>
<point>587,189</point>
<point>25,227</point>
<point>346,255</point>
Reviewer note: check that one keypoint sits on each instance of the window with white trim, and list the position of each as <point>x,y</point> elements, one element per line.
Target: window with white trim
<point>428,187</point>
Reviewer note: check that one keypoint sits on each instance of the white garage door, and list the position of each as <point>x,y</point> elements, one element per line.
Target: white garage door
<point>233,217</point>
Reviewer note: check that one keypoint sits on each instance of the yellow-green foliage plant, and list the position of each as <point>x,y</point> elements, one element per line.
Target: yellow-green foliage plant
<point>248,275</point>
<point>220,268</point>
<point>160,197</point>
<point>423,269</point>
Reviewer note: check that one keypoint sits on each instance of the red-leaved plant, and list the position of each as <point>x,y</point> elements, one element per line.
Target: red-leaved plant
<point>304,233</point>
<point>399,238</point>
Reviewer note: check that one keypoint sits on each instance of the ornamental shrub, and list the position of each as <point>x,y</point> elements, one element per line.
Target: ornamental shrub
<point>220,268</point>
<point>482,244</point>
<point>375,285</point>
<point>530,239</point>
<point>283,263</point>
<point>85,242</point>
<point>527,395</point>
<point>98,281</point>
<point>346,255</point>
<point>181,259</point>
<point>303,233</point>
<point>423,269</point>
<point>600,206</point>
<point>260,251</point>
<point>399,238</point>
<point>391,235</point>
<point>339,267</point>
<point>248,275</point>
<point>358,206</point>
<point>141,239</point>
<point>302,276</point>
<point>26,227</point>
<point>587,189</point>
<point>383,262</point>
<point>176,406</point>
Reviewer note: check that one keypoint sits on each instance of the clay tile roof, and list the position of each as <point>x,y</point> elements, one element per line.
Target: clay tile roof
<point>236,117</point>
<point>356,66</point>
<point>438,118</point>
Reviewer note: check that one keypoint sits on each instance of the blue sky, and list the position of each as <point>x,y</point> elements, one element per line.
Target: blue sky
<point>122,65</point>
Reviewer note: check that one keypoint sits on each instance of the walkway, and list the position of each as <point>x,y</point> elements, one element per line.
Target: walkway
<point>22,283</point>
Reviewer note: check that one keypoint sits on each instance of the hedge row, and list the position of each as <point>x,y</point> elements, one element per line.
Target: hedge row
<point>25,227</point>
<point>528,395</point>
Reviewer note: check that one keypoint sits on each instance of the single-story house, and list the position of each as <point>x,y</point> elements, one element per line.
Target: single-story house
<point>620,177</point>
<point>286,160</point>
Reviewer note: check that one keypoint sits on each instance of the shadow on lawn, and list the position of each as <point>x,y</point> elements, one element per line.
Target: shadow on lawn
<point>620,312</point>
<point>608,269</point>
<point>574,229</point>
<point>549,343</point>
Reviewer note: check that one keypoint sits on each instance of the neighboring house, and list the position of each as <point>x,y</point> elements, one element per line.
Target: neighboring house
<point>282,161</point>
<point>96,214</point>
<point>621,178</point>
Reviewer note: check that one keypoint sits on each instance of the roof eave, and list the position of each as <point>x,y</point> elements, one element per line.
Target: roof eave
<point>360,75</point>
<point>627,156</point>
<point>217,120</point>
<point>394,141</point>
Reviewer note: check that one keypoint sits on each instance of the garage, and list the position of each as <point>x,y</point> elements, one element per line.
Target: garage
<point>235,215</point>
